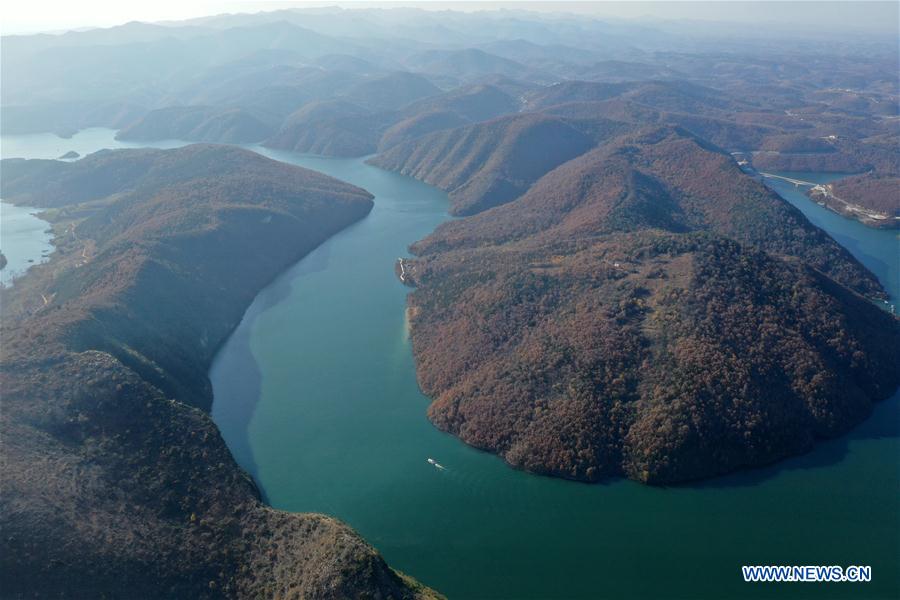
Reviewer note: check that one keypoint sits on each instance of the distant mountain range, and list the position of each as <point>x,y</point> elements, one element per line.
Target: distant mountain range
<point>268,78</point>
<point>618,299</point>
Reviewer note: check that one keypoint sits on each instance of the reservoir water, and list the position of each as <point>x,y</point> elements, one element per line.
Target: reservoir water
<point>24,240</point>
<point>86,141</point>
<point>316,395</point>
<point>878,249</point>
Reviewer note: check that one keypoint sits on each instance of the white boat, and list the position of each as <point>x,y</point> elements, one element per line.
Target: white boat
<point>436,464</point>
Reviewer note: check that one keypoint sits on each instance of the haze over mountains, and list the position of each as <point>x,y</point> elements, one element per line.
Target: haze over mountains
<point>620,297</point>
<point>327,81</point>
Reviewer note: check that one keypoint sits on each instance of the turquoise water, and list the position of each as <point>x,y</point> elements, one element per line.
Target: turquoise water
<point>316,396</point>
<point>878,249</point>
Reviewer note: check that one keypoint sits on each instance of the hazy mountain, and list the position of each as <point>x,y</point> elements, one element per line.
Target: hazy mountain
<point>618,299</point>
<point>419,125</point>
<point>333,128</point>
<point>348,63</point>
<point>670,96</point>
<point>477,102</point>
<point>470,64</point>
<point>621,70</point>
<point>198,124</point>
<point>540,55</point>
<point>391,91</point>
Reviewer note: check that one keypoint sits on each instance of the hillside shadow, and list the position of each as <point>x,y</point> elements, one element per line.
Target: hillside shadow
<point>883,423</point>
<point>235,374</point>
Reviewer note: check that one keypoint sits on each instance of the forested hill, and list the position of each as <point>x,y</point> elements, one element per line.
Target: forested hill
<point>105,393</point>
<point>663,178</point>
<point>490,163</point>
<point>646,310</point>
<point>199,124</point>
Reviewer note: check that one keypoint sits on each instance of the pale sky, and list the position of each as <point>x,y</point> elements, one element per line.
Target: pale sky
<point>27,16</point>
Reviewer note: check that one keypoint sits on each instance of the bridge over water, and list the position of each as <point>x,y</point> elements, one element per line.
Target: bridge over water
<point>797,182</point>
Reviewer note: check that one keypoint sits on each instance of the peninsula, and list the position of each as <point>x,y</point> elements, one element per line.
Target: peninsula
<point>630,315</point>
<point>107,441</point>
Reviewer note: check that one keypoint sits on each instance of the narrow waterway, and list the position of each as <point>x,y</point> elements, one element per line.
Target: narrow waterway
<point>316,395</point>
<point>878,249</point>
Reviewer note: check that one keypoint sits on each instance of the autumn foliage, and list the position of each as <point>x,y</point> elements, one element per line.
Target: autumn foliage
<point>646,310</point>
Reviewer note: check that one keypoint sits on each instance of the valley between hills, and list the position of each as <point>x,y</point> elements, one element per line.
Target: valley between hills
<point>619,296</point>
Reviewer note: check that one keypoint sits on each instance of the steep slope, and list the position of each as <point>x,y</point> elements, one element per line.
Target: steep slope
<point>646,310</point>
<point>724,130</point>
<point>383,112</point>
<point>332,128</point>
<point>466,104</point>
<point>795,142</point>
<point>392,91</point>
<point>877,154</point>
<point>419,125</point>
<point>198,124</point>
<point>470,64</point>
<point>105,352</point>
<point>872,199</point>
<point>675,96</point>
<point>487,164</point>
<point>662,178</point>
<point>479,102</point>
<point>725,119</point>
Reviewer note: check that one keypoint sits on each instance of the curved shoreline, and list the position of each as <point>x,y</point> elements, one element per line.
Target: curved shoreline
<point>26,229</point>
<point>114,409</point>
<point>295,426</point>
<point>852,468</point>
